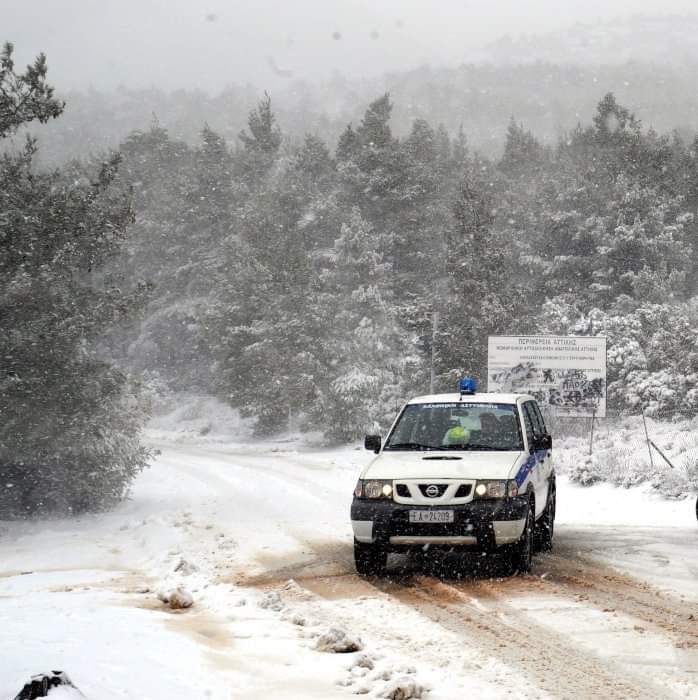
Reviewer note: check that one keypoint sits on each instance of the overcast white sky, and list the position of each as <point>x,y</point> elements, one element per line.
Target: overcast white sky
<point>210,43</point>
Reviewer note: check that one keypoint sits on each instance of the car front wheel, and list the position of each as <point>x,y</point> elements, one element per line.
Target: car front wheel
<point>520,557</point>
<point>545,527</point>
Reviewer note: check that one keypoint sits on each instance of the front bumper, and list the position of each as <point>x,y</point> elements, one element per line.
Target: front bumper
<point>484,524</point>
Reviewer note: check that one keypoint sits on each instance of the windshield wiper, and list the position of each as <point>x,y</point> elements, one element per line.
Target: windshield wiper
<point>410,446</point>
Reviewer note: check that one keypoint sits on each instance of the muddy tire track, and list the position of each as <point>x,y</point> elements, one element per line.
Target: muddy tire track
<point>597,584</point>
<point>479,610</point>
<point>546,658</point>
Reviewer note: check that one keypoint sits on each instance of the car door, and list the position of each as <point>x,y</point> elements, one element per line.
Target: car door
<point>539,473</point>
<point>548,465</point>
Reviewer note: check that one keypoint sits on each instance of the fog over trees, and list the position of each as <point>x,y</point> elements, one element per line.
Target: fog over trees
<point>300,283</point>
<point>291,256</point>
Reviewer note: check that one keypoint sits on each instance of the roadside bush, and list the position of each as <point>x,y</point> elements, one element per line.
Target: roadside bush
<point>75,457</point>
<point>672,483</point>
<point>585,472</point>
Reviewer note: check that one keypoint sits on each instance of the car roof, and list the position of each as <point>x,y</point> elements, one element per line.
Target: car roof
<point>470,398</point>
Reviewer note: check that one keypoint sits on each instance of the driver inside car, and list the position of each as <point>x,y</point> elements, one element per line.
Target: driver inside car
<point>456,435</point>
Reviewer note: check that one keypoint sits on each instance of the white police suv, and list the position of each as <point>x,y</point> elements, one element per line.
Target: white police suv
<point>463,470</point>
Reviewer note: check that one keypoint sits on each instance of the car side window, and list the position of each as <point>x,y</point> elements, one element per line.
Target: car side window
<point>537,427</point>
<point>528,422</point>
<point>539,415</point>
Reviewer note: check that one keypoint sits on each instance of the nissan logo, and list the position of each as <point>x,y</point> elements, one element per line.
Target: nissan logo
<point>432,491</point>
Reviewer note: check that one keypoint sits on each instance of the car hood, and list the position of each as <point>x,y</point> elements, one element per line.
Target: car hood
<point>442,465</point>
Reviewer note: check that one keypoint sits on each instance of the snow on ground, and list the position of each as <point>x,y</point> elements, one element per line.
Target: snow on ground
<point>196,418</point>
<point>620,454</point>
<point>259,535</point>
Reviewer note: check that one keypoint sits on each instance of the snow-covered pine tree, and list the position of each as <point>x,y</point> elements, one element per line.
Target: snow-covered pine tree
<point>260,147</point>
<point>69,421</point>
<point>484,296</point>
<point>262,322</point>
<point>366,355</point>
<point>522,152</point>
<point>25,97</point>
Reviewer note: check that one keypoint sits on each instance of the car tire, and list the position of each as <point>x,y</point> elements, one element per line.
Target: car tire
<point>520,558</point>
<point>545,527</point>
<point>370,559</point>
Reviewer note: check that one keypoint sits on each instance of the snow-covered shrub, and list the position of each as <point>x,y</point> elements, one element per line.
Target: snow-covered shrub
<point>612,468</point>
<point>73,456</point>
<point>271,601</point>
<point>402,688</point>
<point>338,641</point>
<point>624,466</point>
<point>672,483</point>
<point>186,568</point>
<point>177,599</point>
<point>585,472</point>
<point>623,462</point>
<point>363,661</point>
<point>691,469</point>
<point>680,481</point>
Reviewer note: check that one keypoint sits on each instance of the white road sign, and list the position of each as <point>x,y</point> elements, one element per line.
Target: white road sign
<point>565,373</point>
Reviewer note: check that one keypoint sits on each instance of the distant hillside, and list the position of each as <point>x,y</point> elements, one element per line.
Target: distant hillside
<point>670,40</point>
<point>549,83</point>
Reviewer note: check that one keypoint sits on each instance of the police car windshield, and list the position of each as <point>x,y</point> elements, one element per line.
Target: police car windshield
<point>457,426</point>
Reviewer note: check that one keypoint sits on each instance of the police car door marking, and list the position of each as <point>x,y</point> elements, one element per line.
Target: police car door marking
<point>528,466</point>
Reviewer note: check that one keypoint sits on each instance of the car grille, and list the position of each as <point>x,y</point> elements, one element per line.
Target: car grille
<point>463,491</point>
<point>441,489</point>
<point>416,490</point>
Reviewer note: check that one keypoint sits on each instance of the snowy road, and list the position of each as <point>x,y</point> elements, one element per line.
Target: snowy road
<point>260,536</point>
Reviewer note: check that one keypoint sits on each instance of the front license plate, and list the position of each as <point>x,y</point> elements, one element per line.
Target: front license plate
<point>431,516</point>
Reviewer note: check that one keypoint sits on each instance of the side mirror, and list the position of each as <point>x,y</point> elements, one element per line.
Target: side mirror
<point>373,442</point>
<point>542,442</point>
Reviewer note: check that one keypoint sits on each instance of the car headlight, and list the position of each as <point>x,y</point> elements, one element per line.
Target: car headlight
<point>501,488</point>
<point>373,488</point>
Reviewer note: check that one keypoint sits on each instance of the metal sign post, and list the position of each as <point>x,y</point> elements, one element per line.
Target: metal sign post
<point>647,437</point>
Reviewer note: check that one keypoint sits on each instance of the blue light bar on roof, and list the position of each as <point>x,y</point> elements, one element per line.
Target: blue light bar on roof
<point>467,386</point>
